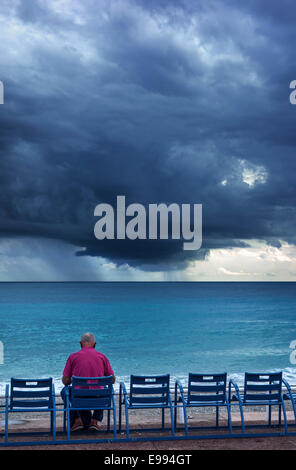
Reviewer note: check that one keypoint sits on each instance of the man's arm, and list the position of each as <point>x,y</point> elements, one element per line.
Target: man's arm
<point>67,380</point>
<point>67,372</point>
<point>108,369</point>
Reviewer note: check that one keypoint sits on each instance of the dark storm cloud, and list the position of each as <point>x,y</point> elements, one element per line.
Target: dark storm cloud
<point>159,101</point>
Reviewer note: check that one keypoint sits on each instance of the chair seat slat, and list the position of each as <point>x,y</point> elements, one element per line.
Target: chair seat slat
<point>148,399</point>
<point>262,388</point>
<point>254,377</point>
<point>207,388</point>
<point>207,378</point>
<point>261,397</point>
<point>149,390</point>
<point>30,404</point>
<point>206,398</point>
<point>31,383</point>
<point>150,379</point>
<point>95,393</point>
<point>31,394</point>
<point>92,381</point>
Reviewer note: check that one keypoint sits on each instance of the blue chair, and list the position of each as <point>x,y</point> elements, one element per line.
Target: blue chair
<point>260,390</point>
<point>31,395</point>
<point>203,390</point>
<point>146,392</point>
<point>91,393</point>
<point>290,395</point>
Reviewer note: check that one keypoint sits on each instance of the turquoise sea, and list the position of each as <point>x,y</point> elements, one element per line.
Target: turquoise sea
<point>149,328</point>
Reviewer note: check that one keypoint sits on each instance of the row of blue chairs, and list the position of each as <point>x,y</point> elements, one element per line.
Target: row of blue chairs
<point>150,392</point>
<point>207,390</point>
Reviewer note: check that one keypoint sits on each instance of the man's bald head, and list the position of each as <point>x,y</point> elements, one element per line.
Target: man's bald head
<point>87,340</point>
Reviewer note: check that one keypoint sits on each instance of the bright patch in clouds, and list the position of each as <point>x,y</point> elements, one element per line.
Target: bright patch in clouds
<point>252,174</point>
<point>259,262</point>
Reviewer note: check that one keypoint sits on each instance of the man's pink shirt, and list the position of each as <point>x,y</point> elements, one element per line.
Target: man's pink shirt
<point>87,363</point>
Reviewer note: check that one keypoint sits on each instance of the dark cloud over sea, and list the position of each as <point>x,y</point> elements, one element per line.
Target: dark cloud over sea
<point>160,101</point>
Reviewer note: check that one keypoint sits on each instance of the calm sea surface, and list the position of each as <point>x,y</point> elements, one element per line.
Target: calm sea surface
<point>149,328</point>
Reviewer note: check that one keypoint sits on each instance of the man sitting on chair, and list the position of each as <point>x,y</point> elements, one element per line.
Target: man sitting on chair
<point>86,363</point>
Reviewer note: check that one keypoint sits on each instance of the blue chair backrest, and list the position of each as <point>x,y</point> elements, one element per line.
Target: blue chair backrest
<point>31,393</point>
<point>260,387</point>
<point>91,392</point>
<point>149,389</point>
<point>207,387</point>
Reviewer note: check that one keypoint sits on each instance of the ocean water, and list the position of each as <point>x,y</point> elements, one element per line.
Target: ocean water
<point>149,328</point>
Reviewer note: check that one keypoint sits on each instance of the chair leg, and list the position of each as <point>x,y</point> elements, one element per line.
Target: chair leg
<point>269,415</point>
<point>54,425</point>
<point>185,419</point>
<point>126,422</point>
<point>114,424</point>
<point>217,416</point>
<point>242,418</point>
<point>280,415</point>
<point>120,415</point>
<point>229,418</point>
<point>114,418</point>
<point>175,406</point>
<point>172,420</point>
<point>162,418</point>
<point>68,422</point>
<point>6,427</point>
<point>64,420</point>
<point>108,426</point>
<point>285,417</point>
<point>175,411</point>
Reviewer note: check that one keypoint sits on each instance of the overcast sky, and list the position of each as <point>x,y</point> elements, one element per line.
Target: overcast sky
<point>160,101</point>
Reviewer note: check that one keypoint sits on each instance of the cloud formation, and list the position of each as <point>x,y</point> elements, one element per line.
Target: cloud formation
<point>161,101</point>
